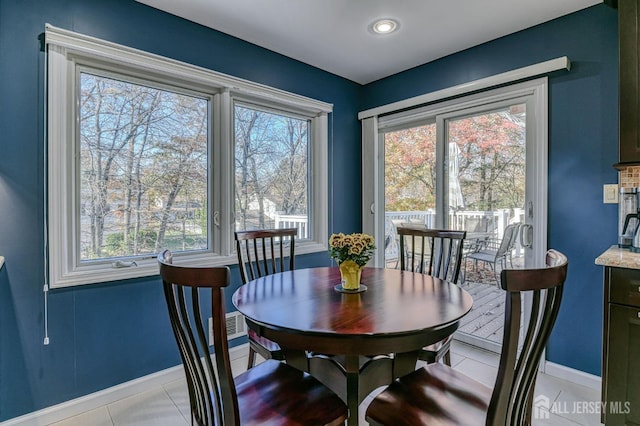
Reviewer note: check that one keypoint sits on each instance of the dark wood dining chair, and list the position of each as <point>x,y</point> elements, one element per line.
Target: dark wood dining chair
<point>435,252</point>
<point>439,395</point>
<point>270,393</point>
<point>264,252</point>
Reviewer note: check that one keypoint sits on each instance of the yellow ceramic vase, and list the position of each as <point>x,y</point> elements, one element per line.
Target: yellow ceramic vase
<point>351,273</point>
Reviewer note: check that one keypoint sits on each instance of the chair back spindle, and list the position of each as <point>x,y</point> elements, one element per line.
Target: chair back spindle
<point>436,252</point>
<point>264,252</point>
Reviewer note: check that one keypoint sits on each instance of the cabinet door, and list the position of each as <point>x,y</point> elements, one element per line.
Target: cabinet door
<point>623,366</point>
<point>628,91</point>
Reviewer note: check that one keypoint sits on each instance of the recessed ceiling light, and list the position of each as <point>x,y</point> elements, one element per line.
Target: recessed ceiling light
<point>384,26</point>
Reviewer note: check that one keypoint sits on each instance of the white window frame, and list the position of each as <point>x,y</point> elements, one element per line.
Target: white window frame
<point>537,153</point>
<point>66,51</point>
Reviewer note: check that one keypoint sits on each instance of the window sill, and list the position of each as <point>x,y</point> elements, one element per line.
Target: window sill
<point>149,267</point>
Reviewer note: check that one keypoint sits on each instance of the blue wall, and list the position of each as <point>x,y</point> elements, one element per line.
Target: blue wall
<point>106,334</point>
<point>583,134</point>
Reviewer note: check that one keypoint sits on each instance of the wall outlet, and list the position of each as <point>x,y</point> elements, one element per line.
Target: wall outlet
<point>610,193</point>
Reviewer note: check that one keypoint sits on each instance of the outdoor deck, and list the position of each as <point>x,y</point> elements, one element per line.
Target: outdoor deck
<point>486,319</point>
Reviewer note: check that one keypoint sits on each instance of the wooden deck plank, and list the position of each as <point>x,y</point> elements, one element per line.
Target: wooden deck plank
<point>486,319</point>
<point>494,323</point>
<point>481,314</point>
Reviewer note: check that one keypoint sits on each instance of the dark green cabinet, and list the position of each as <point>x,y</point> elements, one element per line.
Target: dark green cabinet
<point>621,355</point>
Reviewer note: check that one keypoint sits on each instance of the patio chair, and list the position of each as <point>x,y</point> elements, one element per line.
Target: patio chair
<point>436,252</point>
<point>439,395</point>
<point>495,252</point>
<point>392,241</point>
<point>261,252</point>
<point>270,393</point>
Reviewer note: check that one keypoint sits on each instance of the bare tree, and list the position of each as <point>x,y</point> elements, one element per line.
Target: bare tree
<point>182,164</point>
<point>127,132</point>
<point>255,154</point>
<point>289,182</point>
<point>116,122</point>
<point>271,152</point>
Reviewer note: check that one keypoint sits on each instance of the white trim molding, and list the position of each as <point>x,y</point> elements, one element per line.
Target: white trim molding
<point>73,43</point>
<point>68,54</point>
<point>104,397</point>
<point>572,375</point>
<point>472,86</point>
<point>89,402</point>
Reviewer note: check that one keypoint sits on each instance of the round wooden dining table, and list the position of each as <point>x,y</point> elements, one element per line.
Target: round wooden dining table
<point>352,342</point>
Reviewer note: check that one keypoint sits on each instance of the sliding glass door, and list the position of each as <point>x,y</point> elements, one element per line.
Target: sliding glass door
<point>476,164</point>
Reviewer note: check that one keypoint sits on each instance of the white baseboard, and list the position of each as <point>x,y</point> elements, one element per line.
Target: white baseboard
<point>85,403</point>
<point>572,375</point>
<point>547,367</point>
<point>98,399</point>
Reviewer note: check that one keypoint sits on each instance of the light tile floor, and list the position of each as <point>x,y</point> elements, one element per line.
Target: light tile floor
<point>168,405</point>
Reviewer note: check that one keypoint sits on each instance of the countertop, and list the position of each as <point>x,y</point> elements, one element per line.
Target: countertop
<point>619,258</point>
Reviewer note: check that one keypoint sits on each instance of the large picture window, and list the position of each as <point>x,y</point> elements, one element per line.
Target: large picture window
<point>272,170</point>
<point>145,153</point>
<point>143,169</point>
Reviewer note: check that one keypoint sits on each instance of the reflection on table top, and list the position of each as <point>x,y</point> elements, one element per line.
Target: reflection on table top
<point>395,302</point>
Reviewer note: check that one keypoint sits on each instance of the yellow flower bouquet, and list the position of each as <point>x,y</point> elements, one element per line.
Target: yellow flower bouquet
<point>352,252</point>
<point>356,247</point>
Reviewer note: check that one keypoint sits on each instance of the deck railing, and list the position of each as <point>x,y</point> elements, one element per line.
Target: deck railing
<point>293,221</point>
<point>492,222</point>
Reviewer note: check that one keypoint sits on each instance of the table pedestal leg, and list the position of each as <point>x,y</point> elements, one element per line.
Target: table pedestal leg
<point>404,363</point>
<point>296,359</point>
<point>352,377</point>
<point>352,370</point>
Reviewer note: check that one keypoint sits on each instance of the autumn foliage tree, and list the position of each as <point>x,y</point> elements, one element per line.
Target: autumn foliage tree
<point>410,175</point>
<point>489,165</point>
<point>491,160</point>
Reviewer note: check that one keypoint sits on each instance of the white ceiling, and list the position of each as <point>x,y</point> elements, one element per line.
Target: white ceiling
<point>335,35</point>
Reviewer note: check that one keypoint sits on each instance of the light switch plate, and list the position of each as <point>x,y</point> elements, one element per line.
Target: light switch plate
<point>610,193</point>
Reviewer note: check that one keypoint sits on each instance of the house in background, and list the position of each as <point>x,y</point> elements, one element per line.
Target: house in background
<point>105,334</point>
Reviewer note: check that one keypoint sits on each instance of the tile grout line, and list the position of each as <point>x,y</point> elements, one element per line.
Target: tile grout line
<point>175,405</point>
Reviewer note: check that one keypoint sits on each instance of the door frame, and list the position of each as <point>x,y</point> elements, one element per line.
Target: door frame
<point>535,96</point>
<point>535,92</point>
